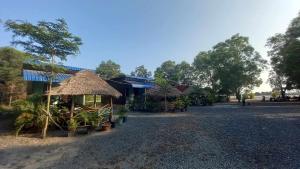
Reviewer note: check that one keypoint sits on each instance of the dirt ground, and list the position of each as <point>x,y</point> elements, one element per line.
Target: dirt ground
<point>221,136</point>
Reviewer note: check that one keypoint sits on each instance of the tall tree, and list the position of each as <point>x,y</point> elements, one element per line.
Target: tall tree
<point>277,78</point>
<point>285,54</point>
<point>46,41</point>
<point>167,70</point>
<point>11,63</point>
<point>164,85</point>
<point>231,66</point>
<point>141,71</point>
<point>108,69</point>
<point>185,73</point>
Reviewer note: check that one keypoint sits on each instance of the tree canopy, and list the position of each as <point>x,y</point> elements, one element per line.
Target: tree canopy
<point>141,71</point>
<point>181,73</point>
<point>11,63</point>
<point>230,67</point>
<point>285,55</point>
<point>108,69</point>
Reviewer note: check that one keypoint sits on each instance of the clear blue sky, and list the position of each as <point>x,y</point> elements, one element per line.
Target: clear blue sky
<point>148,32</point>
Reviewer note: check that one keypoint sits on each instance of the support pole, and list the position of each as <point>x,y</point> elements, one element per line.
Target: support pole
<point>95,98</point>
<point>72,107</point>
<point>112,109</point>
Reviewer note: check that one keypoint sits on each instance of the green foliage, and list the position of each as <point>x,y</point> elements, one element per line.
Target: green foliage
<point>72,124</point>
<point>141,71</point>
<point>167,71</point>
<point>230,66</point>
<point>153,106</point>
<point>181,73</point>
<point>11,63</point>
<point>31,113</point>
<point>45,39</point>
<point>185,73</point>
<point>108,69</point>
<point>179,103</point>
<point>122,111</point>
<point>284,53</point>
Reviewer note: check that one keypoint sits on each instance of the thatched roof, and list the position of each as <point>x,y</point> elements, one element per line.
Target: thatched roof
<point>85,83</point>
<point>194,90</point>
<point>157,91</point>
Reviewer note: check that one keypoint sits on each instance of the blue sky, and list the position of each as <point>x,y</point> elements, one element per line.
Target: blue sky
<point>148,32</point>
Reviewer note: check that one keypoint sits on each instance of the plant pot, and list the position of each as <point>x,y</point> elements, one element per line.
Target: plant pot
<point>106,126</point>
<point>98,128</point>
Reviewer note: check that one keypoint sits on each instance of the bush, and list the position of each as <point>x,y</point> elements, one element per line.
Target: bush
<point>122,111</point>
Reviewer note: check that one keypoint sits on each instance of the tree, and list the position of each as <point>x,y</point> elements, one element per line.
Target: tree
<point>11,63</point>
<point>108,69</point>
<point>167,70</point>
<point>141,71</point>
<point>184,73</point>
<point>46,41</point>
<point>279,82</point>
<point>284,52</point>
<point>164,85</point>
<point>231,66</point>
<point>277,78</point>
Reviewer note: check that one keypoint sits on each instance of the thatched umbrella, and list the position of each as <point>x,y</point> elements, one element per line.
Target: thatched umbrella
<point>85,83</point>
<point>159,92</point>
<point>164,92</point>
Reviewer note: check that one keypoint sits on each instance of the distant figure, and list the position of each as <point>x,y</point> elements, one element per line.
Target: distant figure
<point>244,101</point>
<point>264,98</point>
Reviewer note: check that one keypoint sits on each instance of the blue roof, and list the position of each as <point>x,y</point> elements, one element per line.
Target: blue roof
<point>41,76</point>
<point>145,85</point>
<point>71,68</point>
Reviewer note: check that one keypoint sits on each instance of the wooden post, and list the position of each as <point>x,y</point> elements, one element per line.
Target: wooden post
<point>112,109</point>
<point>72,107</point>
<point>145,100</point>
<point>95,98</point>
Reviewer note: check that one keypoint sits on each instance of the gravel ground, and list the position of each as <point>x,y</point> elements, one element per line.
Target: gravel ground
<point>222,136</point>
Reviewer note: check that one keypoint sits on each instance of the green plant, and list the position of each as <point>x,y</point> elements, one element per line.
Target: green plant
<point>72,124</point>
<point>179,103</point>
<point>122,111</point>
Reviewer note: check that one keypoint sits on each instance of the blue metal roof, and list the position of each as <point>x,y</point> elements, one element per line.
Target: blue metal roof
<point>71,68</point>
<point>41,76</point>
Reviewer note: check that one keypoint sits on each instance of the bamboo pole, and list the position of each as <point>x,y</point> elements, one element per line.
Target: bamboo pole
<point>95,98</point>
<point>72,107</point>
<point>112,109</point>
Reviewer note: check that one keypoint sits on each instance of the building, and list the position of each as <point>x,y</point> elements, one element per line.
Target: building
<point>132,88</point>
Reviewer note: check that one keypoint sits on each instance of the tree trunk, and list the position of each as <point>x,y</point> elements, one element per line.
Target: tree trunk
<point>10,95</point>
<point>44,132</point>
<point>282,92</point>
<point>238,95</point>
<point>112,109</point>
<point>72,107</point>
<point>166,107</point>
<point>95,98</point>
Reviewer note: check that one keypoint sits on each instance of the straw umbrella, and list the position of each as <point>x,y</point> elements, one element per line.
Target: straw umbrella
<point>167,91</point>
<point>159,92</point>
<point>85,83</point>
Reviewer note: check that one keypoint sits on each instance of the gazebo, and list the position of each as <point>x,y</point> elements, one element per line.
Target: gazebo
<point>85,83</point>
